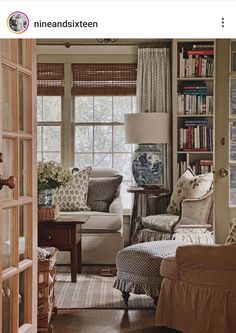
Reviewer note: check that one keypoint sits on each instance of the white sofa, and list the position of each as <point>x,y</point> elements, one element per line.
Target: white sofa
<point>102,234</point>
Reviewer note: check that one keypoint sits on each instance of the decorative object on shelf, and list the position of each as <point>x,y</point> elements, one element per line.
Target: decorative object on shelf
<point>147,130</point>
<point>51,175</point>
<point>107,40</point>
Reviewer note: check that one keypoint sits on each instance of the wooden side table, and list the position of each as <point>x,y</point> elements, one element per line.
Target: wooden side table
<point>64,233</point>
<point>137,191</point>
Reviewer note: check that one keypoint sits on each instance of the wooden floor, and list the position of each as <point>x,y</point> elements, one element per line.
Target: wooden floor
<point>106,321</point>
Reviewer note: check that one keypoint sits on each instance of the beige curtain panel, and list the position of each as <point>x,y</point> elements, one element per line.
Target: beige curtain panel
<point>154,91</point>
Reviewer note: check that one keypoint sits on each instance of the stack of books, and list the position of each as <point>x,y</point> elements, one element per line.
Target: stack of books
<point>196,62</point>
<point>195,136</point>
<point>202,166</point>
<point>194,100</point>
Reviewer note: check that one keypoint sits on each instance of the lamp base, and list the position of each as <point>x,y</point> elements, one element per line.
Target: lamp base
<point>147,164</point>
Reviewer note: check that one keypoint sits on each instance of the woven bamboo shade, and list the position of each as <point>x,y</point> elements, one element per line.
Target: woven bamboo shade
<point>50,79</point>
<point>104,79</point>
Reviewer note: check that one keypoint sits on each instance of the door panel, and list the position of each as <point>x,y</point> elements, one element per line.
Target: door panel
<point>225,138</point>
<point>18,208</point>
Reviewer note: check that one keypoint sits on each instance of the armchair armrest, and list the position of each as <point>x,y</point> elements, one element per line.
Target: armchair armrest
<point>116,206</point>
<point>196,211</point>
<point>206,257</point>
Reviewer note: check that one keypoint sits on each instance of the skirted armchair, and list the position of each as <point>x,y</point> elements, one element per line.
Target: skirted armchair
<point>198,292</point>
<point>188,216</point>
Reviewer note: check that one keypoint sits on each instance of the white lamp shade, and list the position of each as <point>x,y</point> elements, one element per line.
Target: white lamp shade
<point>147,127</point>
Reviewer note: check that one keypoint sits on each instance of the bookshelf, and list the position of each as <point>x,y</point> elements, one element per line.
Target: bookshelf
<point>193,84</point>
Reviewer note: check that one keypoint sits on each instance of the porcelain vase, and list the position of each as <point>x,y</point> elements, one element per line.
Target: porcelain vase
<point>147,164</point>
<point>45,198</point>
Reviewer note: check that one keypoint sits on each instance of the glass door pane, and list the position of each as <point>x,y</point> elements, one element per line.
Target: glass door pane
<point>7,306</point>
<point>9,166</point>
<point>6,48</point>
<point>24,231</point>
<point>24,99</point>
<point>24,294</point>
<point>8,222</point>
<point>8,100</point>
<point>25,168</point>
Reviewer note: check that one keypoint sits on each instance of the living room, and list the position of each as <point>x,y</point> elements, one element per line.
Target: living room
<point>94,110</point>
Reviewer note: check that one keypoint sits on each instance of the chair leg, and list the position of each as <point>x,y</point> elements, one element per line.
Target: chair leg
<point>125,296</point>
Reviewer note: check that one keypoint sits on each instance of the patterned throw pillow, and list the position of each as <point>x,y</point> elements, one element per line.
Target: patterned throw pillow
<point>189,186</point>
<point>102,192</point>
<point>73,197</point>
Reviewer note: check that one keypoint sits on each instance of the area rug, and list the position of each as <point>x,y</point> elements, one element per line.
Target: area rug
<point>92,291</point>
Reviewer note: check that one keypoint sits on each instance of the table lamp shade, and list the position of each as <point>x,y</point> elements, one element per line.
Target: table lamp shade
<point>147,130</point>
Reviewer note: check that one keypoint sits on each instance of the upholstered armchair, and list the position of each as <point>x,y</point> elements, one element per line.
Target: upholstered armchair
<point>188,216</point>
<point>198,292</point>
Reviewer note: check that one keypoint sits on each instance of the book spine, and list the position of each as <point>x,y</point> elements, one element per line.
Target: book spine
<point>200,52</point>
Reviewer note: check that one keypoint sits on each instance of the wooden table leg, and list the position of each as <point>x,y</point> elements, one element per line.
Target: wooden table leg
<point>73,255</point>
<point>79,250</point>
<point>134,215</point>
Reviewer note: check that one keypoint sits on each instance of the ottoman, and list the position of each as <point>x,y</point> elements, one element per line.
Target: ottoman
<point>138,267</point>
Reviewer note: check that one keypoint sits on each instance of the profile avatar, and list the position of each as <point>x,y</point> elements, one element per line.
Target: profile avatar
<point>18,22</point>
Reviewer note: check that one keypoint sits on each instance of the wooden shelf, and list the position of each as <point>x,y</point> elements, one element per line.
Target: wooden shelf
<point>182,159</point>
<point>194,116</point>
<point>195,79</point>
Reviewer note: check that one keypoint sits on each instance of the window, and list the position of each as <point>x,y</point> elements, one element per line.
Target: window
<point>49,128</point>
<point>99,135</point>
<point>89,130</point>
<point>102,94</point>
<point>50,89</point>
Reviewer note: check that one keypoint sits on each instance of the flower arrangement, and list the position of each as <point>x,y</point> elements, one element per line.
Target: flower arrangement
<point>52,174</point>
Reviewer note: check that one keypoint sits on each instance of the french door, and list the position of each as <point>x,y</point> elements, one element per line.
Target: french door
<point>225,138</point>
<point>18,223</point>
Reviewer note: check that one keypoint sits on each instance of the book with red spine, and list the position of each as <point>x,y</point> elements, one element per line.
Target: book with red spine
<point>200,52</point>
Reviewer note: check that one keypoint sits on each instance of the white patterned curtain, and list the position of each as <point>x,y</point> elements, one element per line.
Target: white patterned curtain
<point>154,91</point>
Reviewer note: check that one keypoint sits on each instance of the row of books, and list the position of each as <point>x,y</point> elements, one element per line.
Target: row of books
<point>195,104</point>
<point>198,166</point>
<point>195,136</point>
<point>196,63</point>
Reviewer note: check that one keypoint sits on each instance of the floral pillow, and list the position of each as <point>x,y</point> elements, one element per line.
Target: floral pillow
<point>189,186</point>
<point>73,197</point>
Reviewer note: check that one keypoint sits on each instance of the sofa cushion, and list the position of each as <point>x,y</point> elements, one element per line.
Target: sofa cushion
<point>73,197</point>
<point>103,172</point>
<point>189,186</point>
<point>102,192</point>
<point>99,222</point>
<point>160,222</point>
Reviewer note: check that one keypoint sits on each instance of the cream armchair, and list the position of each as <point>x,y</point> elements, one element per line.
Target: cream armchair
<point>198,292</point>
<point>188,216</point>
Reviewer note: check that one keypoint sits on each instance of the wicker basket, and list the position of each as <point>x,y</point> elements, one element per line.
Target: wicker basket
<point>46,279</point>
<point>48,213</point>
